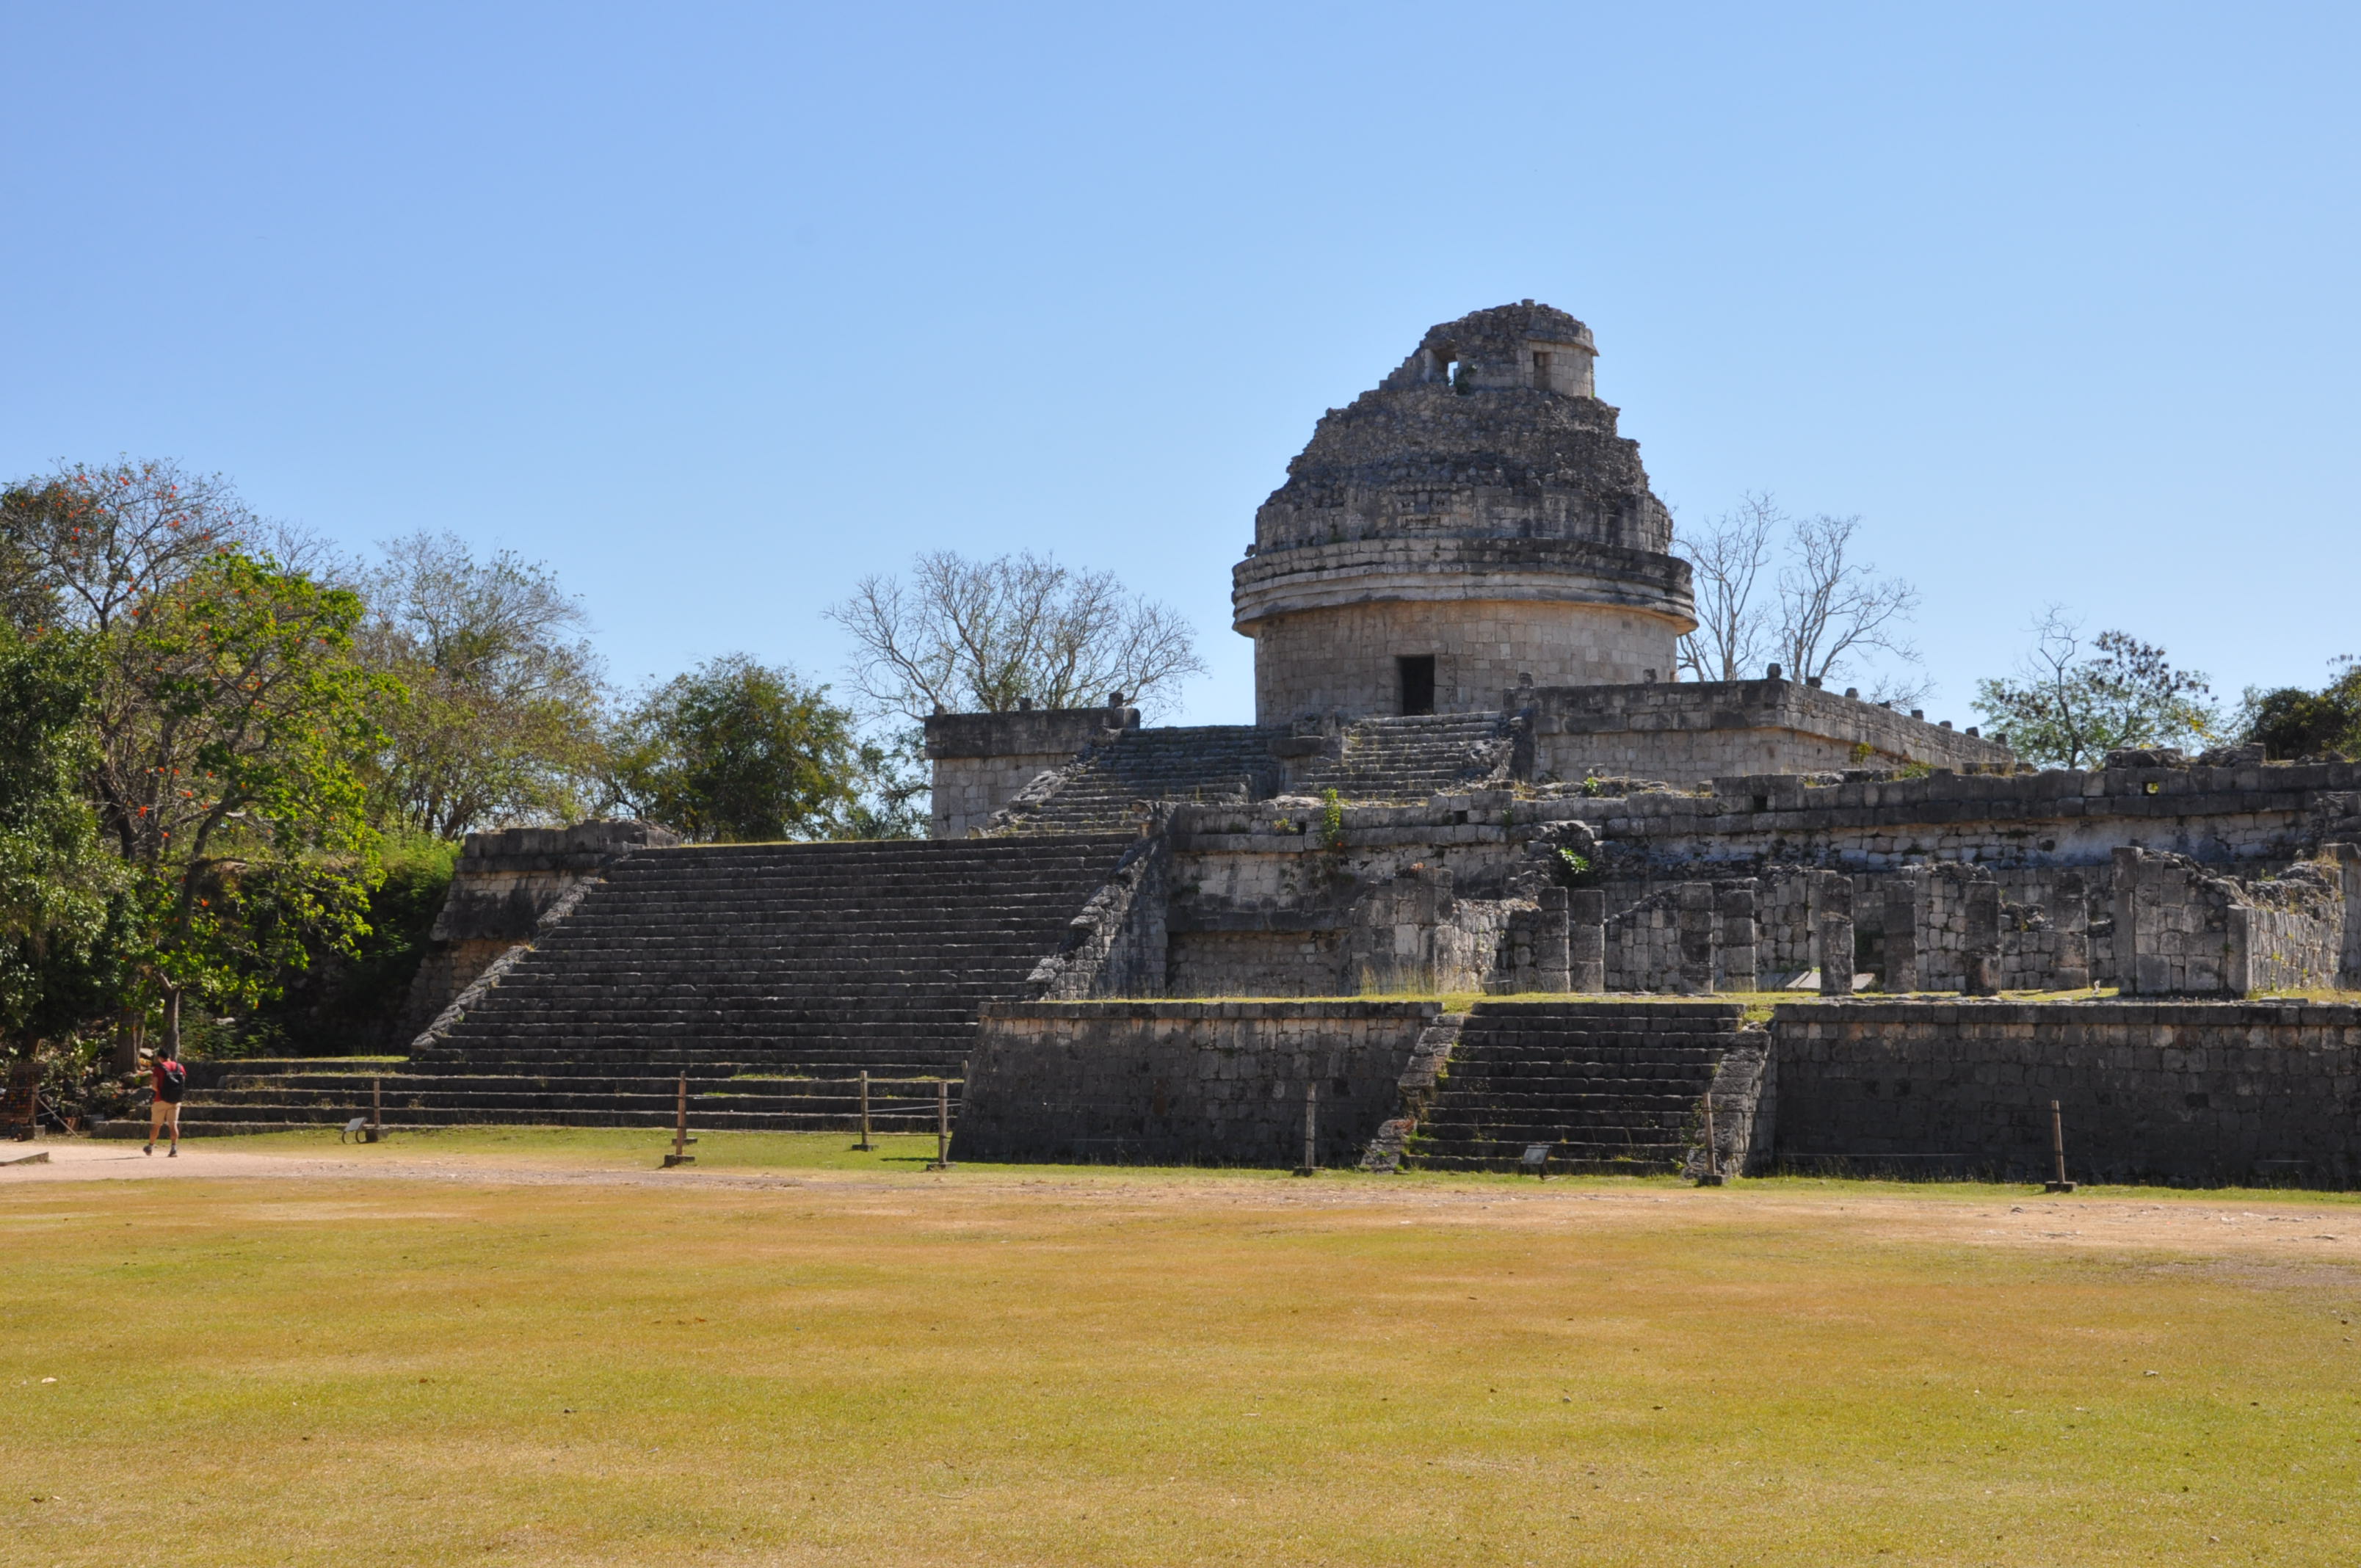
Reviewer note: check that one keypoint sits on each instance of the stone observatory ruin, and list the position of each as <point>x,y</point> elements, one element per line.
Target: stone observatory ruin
<point>1483,876</point>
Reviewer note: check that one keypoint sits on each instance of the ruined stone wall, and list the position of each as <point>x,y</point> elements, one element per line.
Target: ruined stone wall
<point>1692,731</point>
<point>2154,1091</point>
<point>501,886</point>
<point>1343,659</point>
<point>982,760</point>
<point>1184,1082</point>
<point>2187,931</point>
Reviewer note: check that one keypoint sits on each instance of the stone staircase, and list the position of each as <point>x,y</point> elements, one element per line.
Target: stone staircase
<point>1614,1087</point>
<point>1202,763</point>
<point>770,975</point>
<point>1383,759</point>
<point>1407,759</point>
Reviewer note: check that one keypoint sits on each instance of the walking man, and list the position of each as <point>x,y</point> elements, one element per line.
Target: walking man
<point>170,1081</point>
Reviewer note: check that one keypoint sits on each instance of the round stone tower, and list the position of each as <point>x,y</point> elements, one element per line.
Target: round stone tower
<point>1474,520</point>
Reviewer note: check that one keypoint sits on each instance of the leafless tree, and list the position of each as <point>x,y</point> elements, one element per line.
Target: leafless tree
<point>1726,558</point>
<point>1825,613</point>
<point>968,636</point>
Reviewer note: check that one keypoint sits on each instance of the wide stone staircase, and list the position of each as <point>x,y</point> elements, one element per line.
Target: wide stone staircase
<point>1613,1087</point>
<point>769,975</point>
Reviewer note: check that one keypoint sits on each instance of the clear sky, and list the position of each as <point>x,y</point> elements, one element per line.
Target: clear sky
<point>717,308</point>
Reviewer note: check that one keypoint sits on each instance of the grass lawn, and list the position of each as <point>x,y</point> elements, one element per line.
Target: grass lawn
<point>530,1347</point>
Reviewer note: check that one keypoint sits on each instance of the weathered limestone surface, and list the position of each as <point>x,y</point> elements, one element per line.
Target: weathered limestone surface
<point>503,884</point>
<point>2164,1091</point>
<point>982,760</point>
<point>1478,508</point>
<point>1185,1083</point>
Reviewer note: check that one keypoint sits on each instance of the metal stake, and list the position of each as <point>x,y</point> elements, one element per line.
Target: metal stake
<point>2058,1148</point>
<point>1311,1166</point>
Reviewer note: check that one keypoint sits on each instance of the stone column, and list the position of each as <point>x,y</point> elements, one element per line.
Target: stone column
<point>1550,941</point>
<point>2069,916</point>
<point>2346,859</point>
<point>1696,931</point>
<point>1831,895</point>
<point>1835,942</point>
<point>1737,963</point>
<point>1586,909</point>
<point>1903,897</point>
<point>2127,938</point>
<point>1981,970</point>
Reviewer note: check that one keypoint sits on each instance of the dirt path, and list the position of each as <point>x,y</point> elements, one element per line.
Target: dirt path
<point>2299,1227</point>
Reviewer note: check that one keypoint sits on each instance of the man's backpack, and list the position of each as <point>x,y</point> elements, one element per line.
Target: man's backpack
<point>174,1083</point>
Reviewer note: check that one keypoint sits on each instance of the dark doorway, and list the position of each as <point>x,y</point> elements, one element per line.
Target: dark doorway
<point>1417,683</point>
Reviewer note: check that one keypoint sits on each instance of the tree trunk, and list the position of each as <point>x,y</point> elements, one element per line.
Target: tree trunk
<point>173,1023</point>
<point>127,1043</point>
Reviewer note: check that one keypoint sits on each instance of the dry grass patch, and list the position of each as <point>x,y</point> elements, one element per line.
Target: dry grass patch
<point>857,1365</point>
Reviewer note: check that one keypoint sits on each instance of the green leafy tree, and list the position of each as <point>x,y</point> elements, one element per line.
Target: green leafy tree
<point>2292,722</point>
<point>58,890</point>
<point>496,716</point>
<point>231,721</point>
<point>2072,703</point>
<point>738,751</point>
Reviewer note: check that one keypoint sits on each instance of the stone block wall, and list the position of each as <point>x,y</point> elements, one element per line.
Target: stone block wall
<point>982,760</point>
<point>2152,1092</point>
<point>1184,1082</point>
<point>2181,929</point>
<point>1692,732</point>
<point>503,884</point>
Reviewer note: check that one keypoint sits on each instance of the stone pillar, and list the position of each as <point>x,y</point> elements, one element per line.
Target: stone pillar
<point>2238,951</point>
<point>1736,963</point>
<point>1904,896</point>
<point>1831,895</point>
<point>1981,970</point>
<point>1835,942</point>
<point>1696,937</point>
<point>1586,910</point>
<point>2346,859</point>
<point>2069,916</point>
<point>1551,953</point>
<point>2127,937</point>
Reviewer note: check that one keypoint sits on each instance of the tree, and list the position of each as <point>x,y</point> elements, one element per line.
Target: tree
<point>57,888</point>
<point>2292,722</point>
<point>497,716</point>
<point>230,718</point>
<point>2069,706</point>
<point>1726,560</point>
<point>1826,611</point>
<point>83,546</point>
<point>985,636</point>
<point>737,751</point>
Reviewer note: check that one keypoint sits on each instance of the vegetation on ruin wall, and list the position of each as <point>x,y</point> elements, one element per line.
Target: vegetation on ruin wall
<point>1027,1365</point>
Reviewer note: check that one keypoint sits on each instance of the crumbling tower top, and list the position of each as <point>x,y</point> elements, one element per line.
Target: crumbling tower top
<point>1473,519</point>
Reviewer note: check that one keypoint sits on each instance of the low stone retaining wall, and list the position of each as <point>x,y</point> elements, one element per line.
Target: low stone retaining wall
<point>2175,1092</point>
<point>1184,1082</point>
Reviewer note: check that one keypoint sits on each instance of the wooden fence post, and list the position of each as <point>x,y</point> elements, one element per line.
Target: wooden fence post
<point>2058,1148</point>
<point>1311,1166</point>
<point>680,1138</point>
<point>864,1143</point>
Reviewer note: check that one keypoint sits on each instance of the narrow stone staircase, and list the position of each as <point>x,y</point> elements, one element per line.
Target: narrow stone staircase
<point>1407,759</point>
<point>1200,762</point>
<point>770,975</point>
<point>1613,1087</point>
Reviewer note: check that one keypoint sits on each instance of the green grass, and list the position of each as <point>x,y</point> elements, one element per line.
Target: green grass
<point>863,1363</point>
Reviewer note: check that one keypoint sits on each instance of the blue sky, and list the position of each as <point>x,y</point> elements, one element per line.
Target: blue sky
<point>717,308</point>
